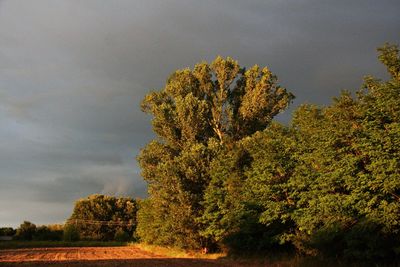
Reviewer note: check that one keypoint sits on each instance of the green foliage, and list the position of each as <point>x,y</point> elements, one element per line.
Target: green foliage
<point>99,217</point>
<point>25,231</point>
<point>240,212</point>
<point>198,114</point>
<point>333,176</point>
<point>46,233</point>
<point>71,233</point>
<point>7,231</point>
<point>121,236</point>
<point>151,224</point>
<point>223,174</point>
<point>389,56</point>
<point>29,231</point>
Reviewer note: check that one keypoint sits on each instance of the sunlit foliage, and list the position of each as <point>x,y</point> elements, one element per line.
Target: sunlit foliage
<point>222,174</point>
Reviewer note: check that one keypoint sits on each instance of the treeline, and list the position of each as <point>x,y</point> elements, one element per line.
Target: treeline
<point>95,218</point>
<point>28,231</point>
<point>223,175</point>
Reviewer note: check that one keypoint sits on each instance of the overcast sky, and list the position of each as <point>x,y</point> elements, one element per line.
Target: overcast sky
<point>72,75</point>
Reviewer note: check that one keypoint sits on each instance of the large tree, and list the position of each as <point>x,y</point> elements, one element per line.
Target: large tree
<point>200,113</point>
<point>100,217</point>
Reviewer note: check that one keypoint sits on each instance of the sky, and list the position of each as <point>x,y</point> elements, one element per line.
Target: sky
<point>73,74</point>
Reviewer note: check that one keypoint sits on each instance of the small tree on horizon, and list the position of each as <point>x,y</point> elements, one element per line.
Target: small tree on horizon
<point>25,231</point>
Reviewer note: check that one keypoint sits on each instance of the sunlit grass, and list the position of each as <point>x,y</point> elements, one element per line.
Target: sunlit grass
<point>176,252</point>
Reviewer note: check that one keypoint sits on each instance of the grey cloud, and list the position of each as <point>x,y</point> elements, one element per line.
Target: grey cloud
<point>46,199</point>
<point>69,189</point>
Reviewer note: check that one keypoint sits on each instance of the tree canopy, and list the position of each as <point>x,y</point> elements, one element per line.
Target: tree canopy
<point>223,174</point>
<point>198,112</point>
<point>100,217</point>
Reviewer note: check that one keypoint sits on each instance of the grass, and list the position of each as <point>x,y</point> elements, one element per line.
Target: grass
<point>48,244</point>
<point>176,252</point>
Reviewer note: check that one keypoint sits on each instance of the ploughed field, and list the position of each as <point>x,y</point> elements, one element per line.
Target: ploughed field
<point>98,256</point>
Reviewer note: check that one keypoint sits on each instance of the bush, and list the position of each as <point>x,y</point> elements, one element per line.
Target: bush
<point>367,241</point>
<point>45,233</point>
<point>71,233</point>
<point>121,236</point>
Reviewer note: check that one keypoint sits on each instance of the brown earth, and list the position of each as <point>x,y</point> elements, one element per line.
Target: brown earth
<point>100,256</point>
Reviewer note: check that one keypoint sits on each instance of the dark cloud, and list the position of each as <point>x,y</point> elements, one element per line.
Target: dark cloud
<point>73,73</point>
<point>69,189</point>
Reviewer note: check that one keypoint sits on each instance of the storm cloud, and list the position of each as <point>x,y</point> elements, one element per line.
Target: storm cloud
<point>73,73</point>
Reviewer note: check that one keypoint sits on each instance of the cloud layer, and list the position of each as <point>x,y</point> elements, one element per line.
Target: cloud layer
<point>72,75</point>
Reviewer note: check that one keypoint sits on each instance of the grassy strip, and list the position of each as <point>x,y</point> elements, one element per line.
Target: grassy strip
<point>52,244</point>
<point>222,258</point>
<point>171,252</point>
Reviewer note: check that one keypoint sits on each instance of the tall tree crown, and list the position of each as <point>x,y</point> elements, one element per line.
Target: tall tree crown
<point>219,100</point>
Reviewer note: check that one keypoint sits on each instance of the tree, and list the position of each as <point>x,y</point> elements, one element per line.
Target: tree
<point>7,231</point>
<point>99,217</point>
<point>26,231</point>
<point>198,114</point>
<point>71,233</point>
<point>51,232</point>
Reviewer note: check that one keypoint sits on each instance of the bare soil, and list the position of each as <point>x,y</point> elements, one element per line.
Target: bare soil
<point>99,256</point>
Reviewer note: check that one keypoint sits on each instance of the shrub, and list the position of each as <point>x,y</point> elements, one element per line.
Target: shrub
<point>45,233</point>
<point>121,236</point>
<point>70,233</point>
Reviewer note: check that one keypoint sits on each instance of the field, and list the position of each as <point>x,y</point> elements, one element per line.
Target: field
<point>139,255</point>
<point>100,256</point>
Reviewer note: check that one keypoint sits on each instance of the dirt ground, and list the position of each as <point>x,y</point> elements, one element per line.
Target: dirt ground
<point>98,256</point>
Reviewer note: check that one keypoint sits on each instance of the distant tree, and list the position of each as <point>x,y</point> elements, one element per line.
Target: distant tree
<point>99,217</point>
<point>197,114</point>
<point>25,231</point>
<point>70,233</point>
<point>7,231</point>
<point>47,233</point>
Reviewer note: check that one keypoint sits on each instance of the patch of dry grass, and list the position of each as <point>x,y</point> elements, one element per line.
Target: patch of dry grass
<point>176,253</point>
